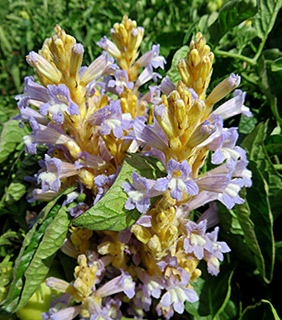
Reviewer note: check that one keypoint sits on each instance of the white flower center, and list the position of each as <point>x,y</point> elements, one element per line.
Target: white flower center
<point>58,108</point>
<point>112,123</point>
<point>196,239</point>
<point>137,195</point>
<point>232,190</point>
<point>48,176</point>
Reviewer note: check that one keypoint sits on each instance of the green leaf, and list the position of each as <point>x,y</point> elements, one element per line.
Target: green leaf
<point>254,145</point>
<point>4,238</point>
<point>278,250</point>
<point>28,249</point>
<point>257,223</point>
<point>15,191</point>
<point>231,14</point>
<point>109,212</point>
<point>173,73</point>
<point>213,292</point>
<point>6,270</point>
<point>266,16</point>
<point>263,310</point>
<point>247,125</point>
<point>40,264</point>
<point>276,65</point>
<point>274,145</point>
<point>11,136</point>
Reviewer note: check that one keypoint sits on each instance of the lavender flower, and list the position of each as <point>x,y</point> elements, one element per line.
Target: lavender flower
<point>139,193</point>
<point>178,180</point>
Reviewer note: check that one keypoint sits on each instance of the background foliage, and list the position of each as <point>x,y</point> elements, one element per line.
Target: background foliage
<point>245,36</point>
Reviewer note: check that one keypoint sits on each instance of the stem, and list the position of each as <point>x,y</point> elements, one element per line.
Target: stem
<point>221,53</point>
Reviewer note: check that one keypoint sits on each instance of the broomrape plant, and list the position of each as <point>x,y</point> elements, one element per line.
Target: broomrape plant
<point>92,119</point>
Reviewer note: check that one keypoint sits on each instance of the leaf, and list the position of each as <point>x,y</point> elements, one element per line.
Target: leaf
<point>257,223</point>
<point>28,249</point>
<point>254,145</point>
<point>6,270</point>
<point>15,191</point>
<point>231,14</point>
<point>173,72</point>
<point>109,212</point>
<point>276,65</point>
<point>11,136</point>
<point>213,292</point>
<point>40,264</point>
<point>247,125</point>
<point>261,310</point>
<point>278,250</point>
<point>266,16</point>
<point>4,238</point>
<point>274,145</point>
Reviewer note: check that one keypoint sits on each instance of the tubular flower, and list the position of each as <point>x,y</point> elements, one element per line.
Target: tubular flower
<point>89,118</point>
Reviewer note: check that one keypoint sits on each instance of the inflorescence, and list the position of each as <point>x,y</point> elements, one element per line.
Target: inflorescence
<point>89,118</point>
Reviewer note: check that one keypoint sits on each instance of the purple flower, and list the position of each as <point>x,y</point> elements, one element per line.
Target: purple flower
<point>175,281</point>
<point>103,184</point>
<point>121,82</point>
<point>146,75</point>
<point>196,240</point>
<point>152,58</point>
<point>139,193</point>
<point>59,102</point>
<point>234,106</point>
<point>178,180</point>
<point>111,119</point>
<point>149,134</point>
<point>215,254</point>
<point>55,170</point>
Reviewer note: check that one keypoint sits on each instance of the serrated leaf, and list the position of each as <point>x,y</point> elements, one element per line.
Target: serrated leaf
<point>254,145</point>
<point>10,138</point>
<point>230,15</point>
<point>29,247</point>
<point>266,16</point>
<point>40,264</point>
<point>261,310</point>
<point>109,212</point>
<point>213,292</point>
<point>173,73</point>
<point>257,223</point>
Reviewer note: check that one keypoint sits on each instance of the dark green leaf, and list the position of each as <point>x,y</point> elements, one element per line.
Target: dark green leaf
<point>40,264</point>
<point>263,310</point>
<point>231,14</point>
<point>6,270</point>
<point>29,247</point>
<point>274,145</point>
<point>277,65</point>
<point>213,292</point>
<point>256,221</point>
<point>266,16</point>
<point>11,136</point>
<point>254,145</point>
<point>278,250</point>
<point>109,212</point>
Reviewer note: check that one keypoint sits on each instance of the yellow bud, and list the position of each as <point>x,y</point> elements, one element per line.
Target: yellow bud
<point>141,233</point>
<point>155,244</point>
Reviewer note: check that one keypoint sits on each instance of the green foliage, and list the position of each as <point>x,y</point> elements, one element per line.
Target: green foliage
<point>37,252</point>
<point>213,292</point>
<point>109,212</point>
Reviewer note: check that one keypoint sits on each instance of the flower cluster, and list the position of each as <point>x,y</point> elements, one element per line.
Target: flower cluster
<point>89,118</point>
